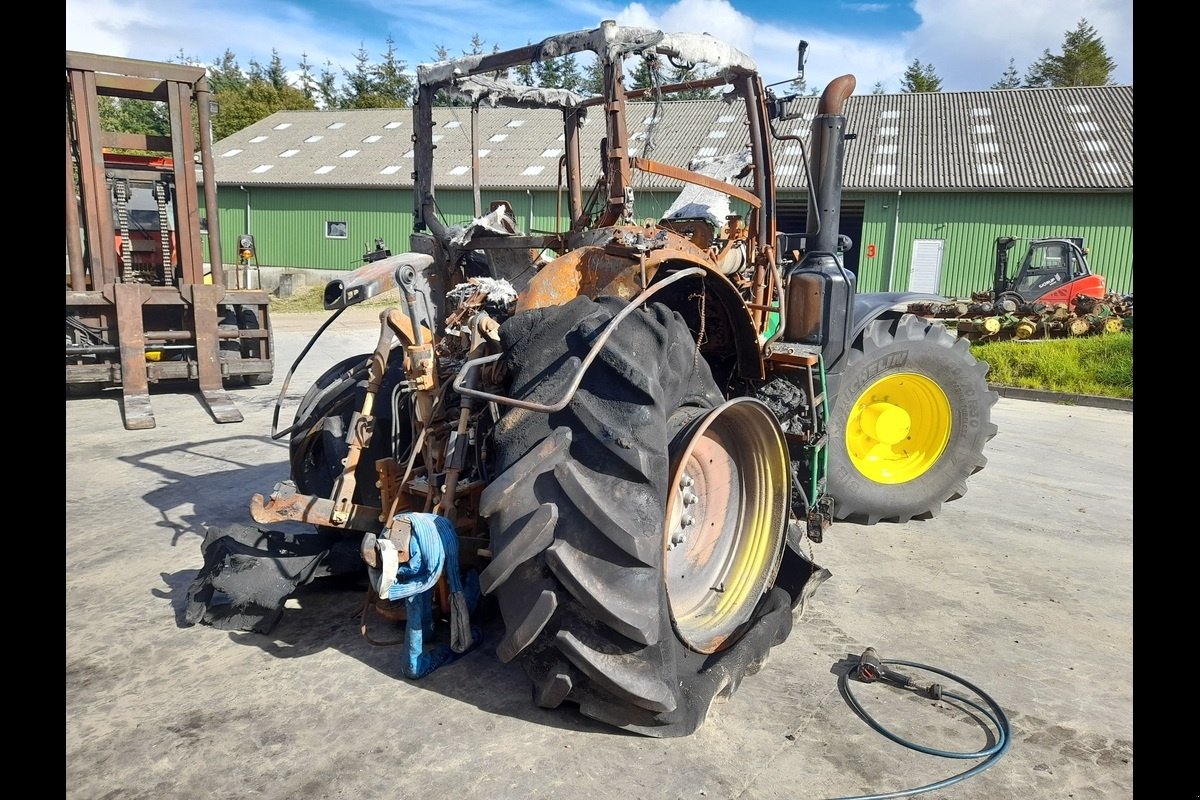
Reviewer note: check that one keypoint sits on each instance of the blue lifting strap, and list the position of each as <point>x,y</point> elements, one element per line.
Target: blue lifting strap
<point>433,548</point>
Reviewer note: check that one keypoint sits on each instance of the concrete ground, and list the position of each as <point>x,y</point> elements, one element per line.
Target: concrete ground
<point>1023,587</point>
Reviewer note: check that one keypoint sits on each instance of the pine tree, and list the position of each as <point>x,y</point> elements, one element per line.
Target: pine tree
<point>275,73</point>
<point>683,73</point>
<point>357,93</point>
<point>525,75</point>
<point>1009,79</point>
<point>331,96</point>
<point>877,88</point>
<point>225,75</point>
<point>920,78</point>
<point>648,73</point>
<point>389,85</point>
<point>593,78</point>
<point>1084,61</point>
<point>308,84</point>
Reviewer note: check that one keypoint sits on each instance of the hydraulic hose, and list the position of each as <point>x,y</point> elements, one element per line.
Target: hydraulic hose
<point>872,668</point>
<point>277,434</point>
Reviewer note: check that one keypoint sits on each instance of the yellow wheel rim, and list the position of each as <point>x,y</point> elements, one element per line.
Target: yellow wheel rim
<point>727,512</point>
<point>898,428</point>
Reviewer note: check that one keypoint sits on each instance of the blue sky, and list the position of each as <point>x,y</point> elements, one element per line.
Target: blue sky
<point>968,42</point>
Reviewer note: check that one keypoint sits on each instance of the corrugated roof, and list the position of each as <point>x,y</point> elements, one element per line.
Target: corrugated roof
<point>1016,139</point>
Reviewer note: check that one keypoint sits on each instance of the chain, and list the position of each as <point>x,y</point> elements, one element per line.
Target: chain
<point>123,226</point>
<point>700,337</point>
<point>164,233</point>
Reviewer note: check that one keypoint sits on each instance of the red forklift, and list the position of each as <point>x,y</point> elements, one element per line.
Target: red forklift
<point>1054,270</point>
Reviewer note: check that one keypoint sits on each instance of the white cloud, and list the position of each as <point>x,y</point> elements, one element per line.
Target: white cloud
<point>159,31</point>
<point>103,27</point>
<point>773,47</point>
<point>969,42</point>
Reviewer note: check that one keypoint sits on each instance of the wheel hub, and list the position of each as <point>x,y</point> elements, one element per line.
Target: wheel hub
<point>898,428</point>
<point>726,516</point>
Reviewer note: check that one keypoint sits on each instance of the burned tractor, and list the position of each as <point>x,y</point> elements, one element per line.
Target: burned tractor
<point>626,432</point>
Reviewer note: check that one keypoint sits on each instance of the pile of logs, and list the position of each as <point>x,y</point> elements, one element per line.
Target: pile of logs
<point>982,318</point>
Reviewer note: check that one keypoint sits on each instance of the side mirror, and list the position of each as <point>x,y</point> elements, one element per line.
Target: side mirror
<point>784,108</point>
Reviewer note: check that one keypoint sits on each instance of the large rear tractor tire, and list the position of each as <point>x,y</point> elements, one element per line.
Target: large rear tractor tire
<point>911,418</point>
<point>636,534</point>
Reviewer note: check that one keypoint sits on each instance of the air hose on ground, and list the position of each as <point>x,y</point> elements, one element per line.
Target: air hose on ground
<point>871,668</point>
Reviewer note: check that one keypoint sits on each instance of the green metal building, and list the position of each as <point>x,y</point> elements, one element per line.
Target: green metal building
<point>932,179</point>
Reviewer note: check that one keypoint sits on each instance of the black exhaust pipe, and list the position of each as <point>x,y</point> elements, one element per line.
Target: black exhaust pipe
<point>820,291</point>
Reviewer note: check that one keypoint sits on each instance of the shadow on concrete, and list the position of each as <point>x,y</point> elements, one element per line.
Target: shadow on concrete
<point>327,614</point>
<point>214,478</point>
<point>217,483</point>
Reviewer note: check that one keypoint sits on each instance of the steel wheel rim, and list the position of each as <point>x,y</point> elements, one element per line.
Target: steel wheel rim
<point>898,428</point>
<point>726,519</point>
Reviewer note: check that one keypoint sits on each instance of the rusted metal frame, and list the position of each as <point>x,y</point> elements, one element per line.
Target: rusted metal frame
<point>549,408</point>
<point>424,199</point>
<point>764,167</point>
<point>100,256</point>
<point>170,296</point>
<point>74,223</point>
<point>204,299</point>
<point>113,66</point>
<point>571,125</point>
<point>762,250</point>
<point>135,141</point>
<point>129,87</point>
<point>187,211</point>
<point>209,174</point>
<point>287,505</point>
<point>483,332</point>
<point>687,176</point>
<point>475,176</point>
<point>362,425</point>
<point>516,242</point>
<point>616,167</point>
<point>187,336</point>
<point>128,298</point>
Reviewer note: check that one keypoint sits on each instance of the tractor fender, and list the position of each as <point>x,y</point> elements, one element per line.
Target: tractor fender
<point>718,287</point>
<point>595,271</point>
<point>869,307</point>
